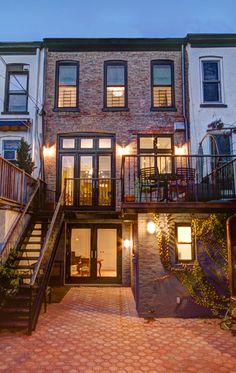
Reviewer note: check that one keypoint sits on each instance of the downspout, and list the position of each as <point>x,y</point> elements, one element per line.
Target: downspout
<point>184,97</point>
<point>229,248</point>
<point>43,113</point>
<point>35,124</point>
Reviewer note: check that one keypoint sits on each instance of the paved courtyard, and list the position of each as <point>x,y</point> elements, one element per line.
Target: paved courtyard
<point>96,329</point>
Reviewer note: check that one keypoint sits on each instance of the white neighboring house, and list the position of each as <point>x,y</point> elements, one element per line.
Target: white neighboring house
<point>212,92</point>
<point>21,98</point>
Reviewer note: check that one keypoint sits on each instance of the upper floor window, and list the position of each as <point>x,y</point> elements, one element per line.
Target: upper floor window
<point>16,99</point>
<point>67,85</point>
<point>162,78</point>
<point>115,85</point>
<point>211,81</point>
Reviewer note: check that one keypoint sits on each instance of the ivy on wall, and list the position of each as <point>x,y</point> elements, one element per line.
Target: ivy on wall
<point>210,234</point>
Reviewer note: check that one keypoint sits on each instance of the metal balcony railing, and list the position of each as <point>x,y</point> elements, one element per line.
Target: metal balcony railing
<point>166,178</point>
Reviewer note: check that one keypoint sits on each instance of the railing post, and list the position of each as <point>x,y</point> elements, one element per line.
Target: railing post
<point>22,187</point>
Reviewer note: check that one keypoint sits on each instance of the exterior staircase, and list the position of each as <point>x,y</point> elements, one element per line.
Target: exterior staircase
<point>15,314</point>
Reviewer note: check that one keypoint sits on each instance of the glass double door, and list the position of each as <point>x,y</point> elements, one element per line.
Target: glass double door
<point>90,182</point>
<point>93,254</point>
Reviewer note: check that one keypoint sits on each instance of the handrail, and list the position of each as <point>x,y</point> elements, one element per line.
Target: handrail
<point>213,172</point>
<point>50,243</point>
<point>5,252</point>
<point>47,238</point>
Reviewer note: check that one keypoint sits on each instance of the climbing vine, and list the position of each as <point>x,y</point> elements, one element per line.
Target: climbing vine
<point>210,234</point>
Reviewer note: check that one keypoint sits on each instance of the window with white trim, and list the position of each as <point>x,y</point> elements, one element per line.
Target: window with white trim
<point>211,81</point>
<point>184,244</point>
<point>9,149</point>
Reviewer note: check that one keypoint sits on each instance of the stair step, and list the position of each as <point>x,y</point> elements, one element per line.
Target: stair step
<point>25,275</point>
<point>25,266</point>
<point>32,250</point>
<point>33,235</point>
<point>14,324</point>
<point>25,258</point>
<point>17,310</point>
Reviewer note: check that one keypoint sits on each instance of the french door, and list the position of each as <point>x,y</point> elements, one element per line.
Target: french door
<point>93,254</point>
<point>87,173</point>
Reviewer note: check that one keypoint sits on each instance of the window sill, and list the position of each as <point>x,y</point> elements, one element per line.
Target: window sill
<point>14,112</point>
<point>213,105</point>
<point>163,108</point>
<point>66,110</point>
<point>105,109</point>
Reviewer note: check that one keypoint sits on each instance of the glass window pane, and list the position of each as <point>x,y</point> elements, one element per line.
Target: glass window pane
<point>86,186</point>
<point>107,253</point>
<point>10,154</point>
<point>68,143</point>
<point>86,143</point>
<point>104,143</point>
<point>67,172</point>
<point>86,166</point>
<point>184,234</point>
<point>115,75</point>
<point>80,264</point>
<point>162,74</point>
<point>67,96</point>
<point>146,162</point>
<point>211,92</point>
<point>67,75</point>
<point>210,71</point>
<point>115,96</point>
<point>163,143</point>
<point>146,142</point>
<point>162,96</point>
<point>17,103</point>
<point>184,251</point>
<point>164,165</point>
<point>18,82</point>
<point>11,144</point>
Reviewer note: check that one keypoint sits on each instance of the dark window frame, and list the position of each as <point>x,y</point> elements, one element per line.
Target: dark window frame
<point>7,88</point>
<point>66,63</point>
<point>115,63</point>
<point>172,106</point>
<point>219,82</point>
<point>155,151</point>
<point>193,254</point>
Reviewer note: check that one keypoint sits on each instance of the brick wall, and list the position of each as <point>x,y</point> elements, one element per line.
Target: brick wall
<point>91,118</point>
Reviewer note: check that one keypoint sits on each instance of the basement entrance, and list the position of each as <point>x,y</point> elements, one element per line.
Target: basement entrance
<point>93,254</point>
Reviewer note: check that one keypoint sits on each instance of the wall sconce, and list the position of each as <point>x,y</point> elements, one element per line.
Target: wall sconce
<point>127,244</point>
<point>123,148</point>
<point>48,151</point>
<point>151,227</point>
<point>181,149</point>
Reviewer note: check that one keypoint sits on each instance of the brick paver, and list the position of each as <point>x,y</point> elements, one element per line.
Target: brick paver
<point>97,330</point>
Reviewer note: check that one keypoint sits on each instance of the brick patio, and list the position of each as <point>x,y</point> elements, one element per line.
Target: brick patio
<point>97,330</point>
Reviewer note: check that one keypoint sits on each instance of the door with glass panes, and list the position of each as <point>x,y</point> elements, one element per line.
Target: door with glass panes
<point>93,254</point>
<point>87,173</point>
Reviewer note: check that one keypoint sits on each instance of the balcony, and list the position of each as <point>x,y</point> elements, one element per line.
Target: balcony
<point>178,182</point>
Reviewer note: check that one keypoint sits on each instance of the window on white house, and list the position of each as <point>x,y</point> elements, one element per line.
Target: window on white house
<point>184,244</point>
<point>211,80</point>
<point>9,149</point>
<point>17,89</point>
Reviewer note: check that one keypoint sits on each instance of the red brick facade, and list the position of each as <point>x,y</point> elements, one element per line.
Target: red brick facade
<point>124,124</point>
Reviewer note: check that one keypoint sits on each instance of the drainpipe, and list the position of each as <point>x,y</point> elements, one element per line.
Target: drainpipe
<point>35,123</point>
<point>184,97</point>
<point>229,247</point>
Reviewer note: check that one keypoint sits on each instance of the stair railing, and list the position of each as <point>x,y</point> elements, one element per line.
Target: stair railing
<point>15,233</point>
<point>42,270</point>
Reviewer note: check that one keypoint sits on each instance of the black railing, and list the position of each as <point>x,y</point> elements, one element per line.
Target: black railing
<point>167,178</point>
<point>89,193</point>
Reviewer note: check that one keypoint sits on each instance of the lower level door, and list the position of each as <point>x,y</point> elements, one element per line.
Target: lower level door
<point>93,255</point>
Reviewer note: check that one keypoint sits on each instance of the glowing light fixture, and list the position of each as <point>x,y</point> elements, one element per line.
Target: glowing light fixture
<point>126,244</point>
<point>151,227</point>
<point>48,151</point>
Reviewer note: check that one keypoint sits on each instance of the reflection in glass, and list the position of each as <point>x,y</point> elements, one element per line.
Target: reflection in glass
<point>146,142</point>
<point>67,171</point>
<point>106,252</point>
<point>86,143</point>
<point>86,174</point>
<point>104,175</point>
<point>104,143</point>
<point>68,143</point>
<point>80,265</point>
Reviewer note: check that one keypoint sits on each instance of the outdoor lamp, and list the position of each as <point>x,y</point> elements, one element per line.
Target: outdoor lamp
<point>126,244</point>
<point>151,227</point>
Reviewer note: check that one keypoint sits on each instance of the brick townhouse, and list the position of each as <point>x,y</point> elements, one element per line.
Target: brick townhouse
<point>116,138</point>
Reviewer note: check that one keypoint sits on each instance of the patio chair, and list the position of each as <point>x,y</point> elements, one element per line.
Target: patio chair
<point>183,184</point>
<point>149,183</point>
